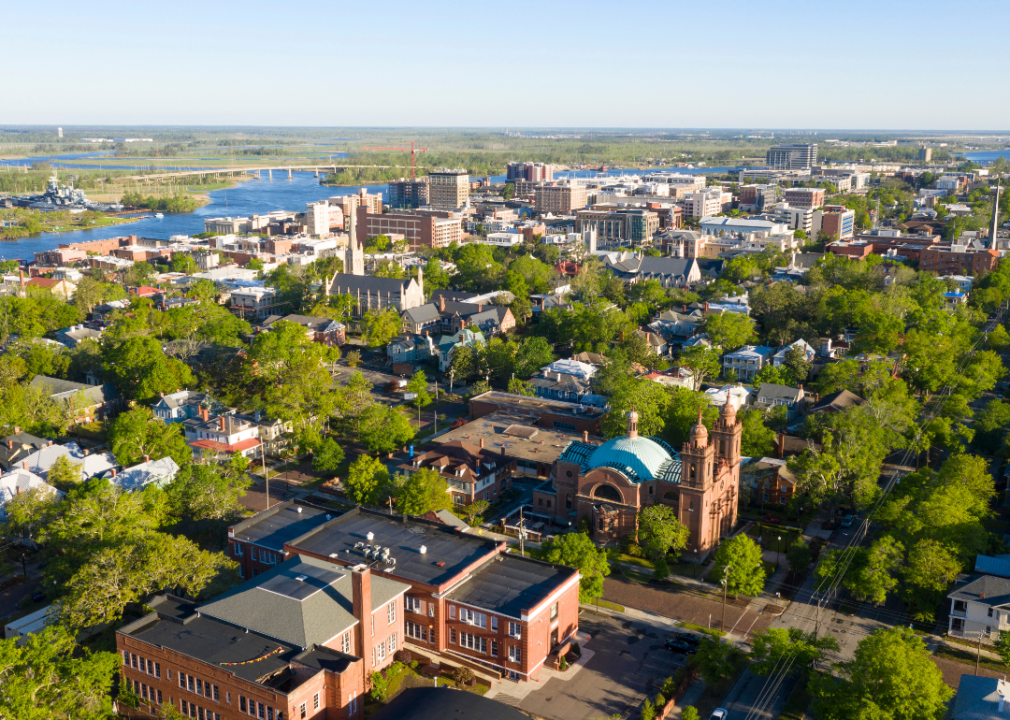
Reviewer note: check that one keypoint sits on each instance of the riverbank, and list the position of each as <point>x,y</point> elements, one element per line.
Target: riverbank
<point>23,223</point>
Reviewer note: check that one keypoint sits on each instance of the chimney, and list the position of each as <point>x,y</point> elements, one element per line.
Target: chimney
<point>10,444</point>
<point>17,430</point>
<point>585,436</point>
<point>24,464</point>
<point>221,423</point>
<point>163,394</point>
<point>205,414</point>
<point>781,445</point>
<point>113,472</point>
<point>147,458</point>
<point>441,303</point>
<point>482,443</point>
<point>361,600</point>
<point>706,306</point>
<point>981,595</point>
<point>480,307</point>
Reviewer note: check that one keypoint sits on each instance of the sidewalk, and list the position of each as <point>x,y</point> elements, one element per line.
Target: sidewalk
<point>518,691</point>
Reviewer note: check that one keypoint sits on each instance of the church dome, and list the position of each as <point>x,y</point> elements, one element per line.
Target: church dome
<point>638,458</point>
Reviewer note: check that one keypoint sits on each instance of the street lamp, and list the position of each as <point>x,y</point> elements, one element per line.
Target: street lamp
<point>778,553</point>
<point>696,563</point>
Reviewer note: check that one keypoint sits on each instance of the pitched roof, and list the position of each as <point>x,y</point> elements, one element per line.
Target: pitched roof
<point>65,390</point>
<point>42,460</point>
<point>159,472</point>
<point>315,324</point>
<point>999,566</point>
<point>423,314</point>
<point>839,401</point>
<point>302,601</point>
<point>19,481</point>
<point>985,589</point>
<point>779,392</point>
<point>343,284</point>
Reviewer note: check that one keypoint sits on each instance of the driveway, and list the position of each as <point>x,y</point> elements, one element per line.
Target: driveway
<point>628,662</point>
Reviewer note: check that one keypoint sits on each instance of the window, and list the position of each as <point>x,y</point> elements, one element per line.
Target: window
<point>157,670</point>
<point>414,630</point>
<point>259,711</point>
<point>515,654</point>
<point>301,710</point>
<point>380,652</point>
<point>473,618</point>
<point>452,612</point>
<point>315,701</point>
<point>189,682</point>
<point>126,658</point>
<point>494,648</point>
<point>133,661</point>
<point>515,630</point>
<point>182,680</point>
<point>270,713</point>
<point>452,635</point>
<point>564,426</point>
<point>352,703</point>
<point>227,697</point>
<point>412,604</point>
<point>431,610</point>
<point>494,624</point>
<point>345,642</point>
<point>143,690</point>
<point>473,642</point>
<point>568,501</point>
<point>391,612</point>
<point>554,611</point>
<point>184,706</point>
<point>199,686</point>
<point>199,713</point>
<point>241,703</point>
<point>238,549</point>
<point>216,696</point>
<point>392,643</point>
<point>159,697</point>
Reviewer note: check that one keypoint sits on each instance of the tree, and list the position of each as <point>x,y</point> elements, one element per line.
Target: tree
<point>730,330</point>
<point>141,370</point>
<point>47,676</point>
<point>64,475</point>
<point>757,440</point>
<point>715,660</point>
<point>578,551</point>
<point>424,491</point>
<point>384,429</point>
<point>1002,646</point>
<point>797,364</point>
<point>689,713</point>
<point>776,646</point>
<point>738,559</point>
<point>418,384</point>
<point>327,456</point>
<point>659,531</point>
<point>475,510</point>
<point>870,575</point>
<point>138,433</point>
<point>648,399</point>
<point>703,361</point>
<point>521,387</point>
<point>378,327</point>
<point>28,511</point>
<point>648,711</point>
<point>367,478</point>
<point>798,556</point>
<point>204,492</point>
<point>891,676</point>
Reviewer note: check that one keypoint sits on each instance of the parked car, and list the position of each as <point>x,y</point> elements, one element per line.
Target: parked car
<point>38,596</point>
<point>718,714</point>
<point>847,521</point>
<point>677,645</point>
<point>687,637</point>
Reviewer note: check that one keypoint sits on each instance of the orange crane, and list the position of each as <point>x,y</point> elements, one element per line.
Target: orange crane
<point>413,155</point>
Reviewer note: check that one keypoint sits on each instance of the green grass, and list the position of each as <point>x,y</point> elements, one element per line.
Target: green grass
<point>609,605</point>
<point>702,629</point>
<point>968,658</point>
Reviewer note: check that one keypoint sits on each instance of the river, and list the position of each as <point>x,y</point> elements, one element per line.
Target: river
<point>249,197</point>
<point>986,157</point>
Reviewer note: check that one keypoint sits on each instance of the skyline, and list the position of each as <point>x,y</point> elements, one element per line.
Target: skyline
<point>534,65</point>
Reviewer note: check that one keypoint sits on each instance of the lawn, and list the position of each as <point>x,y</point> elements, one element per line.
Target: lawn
<point>968,658</point>
<point>403,677</point>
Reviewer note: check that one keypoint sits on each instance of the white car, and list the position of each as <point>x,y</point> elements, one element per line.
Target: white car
<point>719,714</point>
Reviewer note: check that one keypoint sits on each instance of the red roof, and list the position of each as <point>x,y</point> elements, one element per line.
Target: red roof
<point>241,445</point>
<point>44,282</point>
<point>145,290</point>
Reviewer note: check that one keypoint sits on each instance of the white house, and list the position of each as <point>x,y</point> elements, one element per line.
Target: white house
<point>980,606</point>
<point>92,464</point>
<point>150,472</point>
<point>779,359</point>
<point>747,361</point>
<point>19,481</point>
<point>179,406</point>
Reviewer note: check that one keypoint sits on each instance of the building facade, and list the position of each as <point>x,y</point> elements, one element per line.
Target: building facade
<point>560,199</point>
<point>408,194</point>
<point>449,189</point>
<point>792,156</point>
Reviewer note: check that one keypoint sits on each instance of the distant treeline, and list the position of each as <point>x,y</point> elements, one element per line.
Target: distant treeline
<point>174,204</point>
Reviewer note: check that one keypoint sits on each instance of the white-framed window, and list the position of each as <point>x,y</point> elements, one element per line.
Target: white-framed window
<point>515,654</point>
<point>391,612</point>
<point>380,652</point>
<point>554,611</point>
<point>345,642</point>
<point>238,549</point>
<point>392,643</point>
<point>302,711</point>
<point>315,701</point>
<point>494,648</point>
<point>473,642</point>
<point>412,604</point>
<point>473,618</point>
<point>515,630</point>
<point>452,612</point>
<point>494,624</point>
<point>352,703</point>
<point>431,609</point>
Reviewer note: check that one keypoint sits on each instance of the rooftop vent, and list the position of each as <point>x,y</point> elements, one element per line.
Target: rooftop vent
<point>370,536</point>
<point>298,510</point>
<point>302,578</point>
<point>333,555</point>
<point>423,549</point>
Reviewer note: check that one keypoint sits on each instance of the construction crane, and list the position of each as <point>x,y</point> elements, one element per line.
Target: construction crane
<point>411,150</point>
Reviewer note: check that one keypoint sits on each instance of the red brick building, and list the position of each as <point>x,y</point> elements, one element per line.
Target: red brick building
<point>472,472</point>
<point>555,414</point>
<point>298,641</point>
<point>470,602</point>
<point>957,260</point>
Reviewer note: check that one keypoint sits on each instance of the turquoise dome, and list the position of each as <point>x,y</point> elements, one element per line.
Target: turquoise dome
<point>638,458</point>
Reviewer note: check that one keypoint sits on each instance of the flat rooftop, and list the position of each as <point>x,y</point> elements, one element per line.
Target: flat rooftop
<point>280,524</point>
<point>540,404</point>
<point>179,628</point>
<point>512,585</point>
<point>447,553</point>
<point>523,441</point>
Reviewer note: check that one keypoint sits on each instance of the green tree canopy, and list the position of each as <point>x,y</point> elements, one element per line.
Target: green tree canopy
<point>660,532</point>
<point>138,432</point>
<point>423,491</point>
<point>738,559</point>
<point>578,551</point>
<point>367,480</point>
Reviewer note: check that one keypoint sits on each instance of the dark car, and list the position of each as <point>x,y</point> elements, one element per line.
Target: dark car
<point>38,596</point>
<point>677,645</point>
<point>688,638</point>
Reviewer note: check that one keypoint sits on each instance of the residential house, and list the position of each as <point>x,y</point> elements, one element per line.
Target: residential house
<point>779,358</point>
<point>320,330</point>
<point>978,698</point>
<point>771,395</point>
<point>18,481</point>
<point>410,349</point>
<point>472,472</point>
<point>180,406</point>
<point>673,377</point>
<point>301,639</point>
<point>76,334</point>
<point>770,481</point>
<point>980,608</point>
<point>836,402</point>
<point>150,472</point>
<point>92,464</point>
<point>560,386</point>
<point>738,396</point>
<point>998,565</point>
<point>87,402</point>
<point>103,313</point>
<point>655,342</point>
<point>747,361</point>
<point>426,317</point>
<point>447,345</point>
<point>14,448</point>
<point>224,434</point>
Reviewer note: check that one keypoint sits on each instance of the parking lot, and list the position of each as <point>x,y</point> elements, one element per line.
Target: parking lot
<point>628,661</point>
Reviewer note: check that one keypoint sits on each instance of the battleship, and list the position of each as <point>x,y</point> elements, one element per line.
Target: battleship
<point>64,197</point>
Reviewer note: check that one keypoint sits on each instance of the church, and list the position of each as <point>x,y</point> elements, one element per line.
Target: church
<point>607,485</point>
<point>370,292</point>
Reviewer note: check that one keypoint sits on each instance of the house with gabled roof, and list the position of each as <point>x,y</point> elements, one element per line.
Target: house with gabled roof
<point>980,607</point>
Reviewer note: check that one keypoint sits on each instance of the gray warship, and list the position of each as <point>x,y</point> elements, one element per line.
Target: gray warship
<point>64,197</point>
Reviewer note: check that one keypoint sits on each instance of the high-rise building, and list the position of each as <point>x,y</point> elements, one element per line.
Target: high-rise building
<point>530,171</point>
<point>925,154</point>
<point>834,221</point>
<point>805,197</point>
<point>59,132</point>
<point>559,198</point>
<point>756,197</point>
<point>449,189</point>
<point>408,194</point>
<point>792,156</point>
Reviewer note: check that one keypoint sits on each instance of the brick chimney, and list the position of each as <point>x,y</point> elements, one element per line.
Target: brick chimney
<point>17,430</point>
<point>361,599</point>
<point>147,458</point>
<point>220,421</point>
<point>781,445</point>
<point>585,436</point>
<point>441,303</point>
<point>24,464</point>
<point>482,443</point>
<point>205,414</point>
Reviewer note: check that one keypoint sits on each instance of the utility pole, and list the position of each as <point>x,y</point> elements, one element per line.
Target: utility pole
<point>978,653</point>
<point>522,533</point>
<point>266,472</point>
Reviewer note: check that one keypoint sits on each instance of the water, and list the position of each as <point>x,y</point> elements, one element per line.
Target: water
<point>250,197</point>
<point>986,157</point>
<point>65,161</point>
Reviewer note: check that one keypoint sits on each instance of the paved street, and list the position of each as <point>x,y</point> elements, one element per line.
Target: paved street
<point>628,661</point>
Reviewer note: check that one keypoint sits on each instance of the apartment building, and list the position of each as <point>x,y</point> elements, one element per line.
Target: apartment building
<point>559,199</point>
<point>529,171</point>
<point>757,198</point>
<point>804,197</point>
<point>704,203</point>
<point>420,229</point>
<point>255,303</point>
<point>469,601</point>
<point>449,189</point>
<point>300,640</point>
<point>349,204</point>
<point>792,156</point>
<point>957,259</point>
<point>800,219</point>
<point>408,194</point>
<point>618,226</point>
<point>835,221</point>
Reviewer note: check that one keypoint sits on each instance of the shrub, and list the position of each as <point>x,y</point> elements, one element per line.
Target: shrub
<point>353,358</point>
<point>380,687</point>
<point>563,665</point>
<point>462,676</point>
<point>648,710</point>
<point>689,713</point>
<point>660,701</point>
<point>660,570</point>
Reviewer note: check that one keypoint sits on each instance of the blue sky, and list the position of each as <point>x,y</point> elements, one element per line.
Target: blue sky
<point>891,64</point>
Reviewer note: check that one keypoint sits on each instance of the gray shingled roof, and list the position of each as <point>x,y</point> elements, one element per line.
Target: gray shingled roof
<point>778,392</point>
<point>423,314</point>
<point>319,608</point>
<point>988,590</point>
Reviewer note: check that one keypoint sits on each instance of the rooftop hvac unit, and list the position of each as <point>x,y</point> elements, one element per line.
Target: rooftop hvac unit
<point>423,549</point>
<point>370,536</point>
<point>359,545</point>
<point>333,555</point>
<point>391,561</point>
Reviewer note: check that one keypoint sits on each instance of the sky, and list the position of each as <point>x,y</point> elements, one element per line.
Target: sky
<point>804,64</point>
